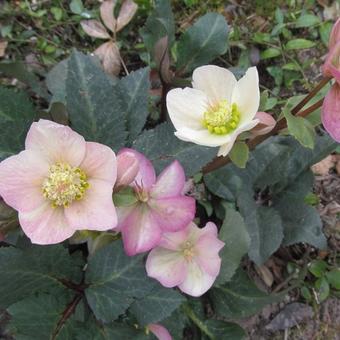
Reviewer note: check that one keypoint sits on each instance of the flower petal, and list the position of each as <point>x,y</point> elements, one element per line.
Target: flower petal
<point>202,137</point>
<point>166,266</point>
<point>58,143</point>
<point>186,107</point>
<point>100,162</point>
<point>140,231</point>
<point>246,95</point>
<point>123,213</point>
<point>216,82</point>
<point>334,37</point>
<point>95,211</point>
<point>170,182</point>
<point>265,125</point>
<point>21,178</point>
<point>174,240</point>
<point>208,247</point>
<point>331,67</point>
<point>330,114</point>
<point>159,331</point>
<point>127,168</point>
<point>197,281</point>
<point>45,225</point>
<point>146,175</point>
<point>225,148</point>
<point>173,213</point>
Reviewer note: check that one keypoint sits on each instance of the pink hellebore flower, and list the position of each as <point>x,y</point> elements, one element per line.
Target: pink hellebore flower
<point>59,184</point>
<point>188,259</point>
<point>159,206</point>
<point>160,332</point>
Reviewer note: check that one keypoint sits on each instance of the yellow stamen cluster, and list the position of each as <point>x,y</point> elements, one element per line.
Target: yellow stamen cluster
<point>188,251</point>
<point>222,118</point>
<point>64,184</point>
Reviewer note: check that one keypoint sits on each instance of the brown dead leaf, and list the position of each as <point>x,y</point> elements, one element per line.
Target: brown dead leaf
<point>109,55</point>
<point>106,13</point>
<point>162,59</point>
<point>126,13</point>
<point>94,29</point>
<point>265,274</point>
<point>3,46</point>
<point>322,168</point>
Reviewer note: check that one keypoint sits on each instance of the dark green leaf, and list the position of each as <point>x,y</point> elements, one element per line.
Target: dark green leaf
<point>307,20</point>
<point>56,82</point>
<point>240,298</point>
<point>16,116</point>
<point>157,305</point>
<point>36,269</point>
<point>93,103</point>
<point>114,280</point>
<point>333,278</point>
<point>270,53</point>
<point>323,289</point>
<point>317,268</point>
<point>162,147</point>
<point>235,236</point>
<point>221,330</point>
<point>76,6</point>
<point>135,94</point>
<point>202,42</point>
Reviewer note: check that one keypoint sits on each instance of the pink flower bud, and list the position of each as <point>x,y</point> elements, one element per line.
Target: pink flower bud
<point>265,125</point>
<point>127,168</point>
<point>160,332</point>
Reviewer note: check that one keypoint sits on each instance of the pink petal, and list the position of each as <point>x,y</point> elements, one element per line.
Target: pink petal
<point>197,281</point>
<point>195,232</point>
<point>140,231</point>
<point>265,125</point>
<point>127,168</point>
<point>159,331</point>
<point>45,225</point>
<point>100,162</point>
<point>170,182</point>
<point>56,142</point>
<point>335,35</point>
<point>166,266</point>
<point>173,213</point>
<point>173,241</point>
<point>21,178</point>
<point>331,68</point>
<point>123,212</point>
<point>207,248</point>
<point>330,113</point>
<point>146,176</point>
<point>95,211</point>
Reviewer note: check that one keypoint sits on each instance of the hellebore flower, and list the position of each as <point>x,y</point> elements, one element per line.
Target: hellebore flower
<point>331,68</point>
<point>159,331</point>
<point>217,109</point>
<point>158,206</point>
<point>330,112</point>
<point>187,259</point>
<point>59,184</point>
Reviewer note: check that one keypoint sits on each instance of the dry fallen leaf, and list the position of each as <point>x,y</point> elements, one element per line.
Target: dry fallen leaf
<point>162,59</point>
<point>126,13</point>
<point>106,13</point>
<point>95,29</point>
<point>322,168</point>
<point>109,55</point>
<point>265,274</point>
<point>3,46</point>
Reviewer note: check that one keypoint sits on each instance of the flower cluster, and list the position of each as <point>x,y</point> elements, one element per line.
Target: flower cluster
<point>60,184</point>
<point>331,107</point>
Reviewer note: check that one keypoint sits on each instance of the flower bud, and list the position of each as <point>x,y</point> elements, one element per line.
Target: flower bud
<point>265,125</point>
<point>127,168</point>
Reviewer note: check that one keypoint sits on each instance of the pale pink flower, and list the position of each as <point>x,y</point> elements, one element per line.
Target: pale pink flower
<point>331,68</point>
<point>159,206</point>
<point>59,184</point>
<point>127,168</point>
<point>160,332</point>
<point>330,112</point>
<point>265,125</point>
<point>188,259</point>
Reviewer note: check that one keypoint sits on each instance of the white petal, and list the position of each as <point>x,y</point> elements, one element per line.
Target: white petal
<point>197,282</point>
<point>202,137</point>
<point>186,107</point>
<point>216,82</point>
<point>225,148</point>
<point>247,95</point>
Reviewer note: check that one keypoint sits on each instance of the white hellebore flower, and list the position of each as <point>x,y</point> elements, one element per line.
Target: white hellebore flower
<point>217,109</point>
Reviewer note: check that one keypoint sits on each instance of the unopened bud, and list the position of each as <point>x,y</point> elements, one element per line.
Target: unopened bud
<point>265,125</point>
<point>127,168</point>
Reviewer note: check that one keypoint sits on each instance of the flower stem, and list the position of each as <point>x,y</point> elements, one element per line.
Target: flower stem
<point>199,323</point>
